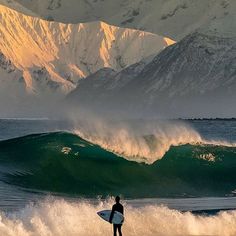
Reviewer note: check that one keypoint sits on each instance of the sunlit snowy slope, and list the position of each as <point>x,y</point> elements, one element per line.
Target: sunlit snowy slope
<point>51,57</point>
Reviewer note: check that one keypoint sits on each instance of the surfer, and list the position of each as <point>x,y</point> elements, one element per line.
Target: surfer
<point>117,207</point>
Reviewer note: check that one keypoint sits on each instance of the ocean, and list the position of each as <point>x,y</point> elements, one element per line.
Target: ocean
<point>175,177</point>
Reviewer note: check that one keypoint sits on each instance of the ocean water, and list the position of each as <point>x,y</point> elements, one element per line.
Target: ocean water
<point>175,177</point>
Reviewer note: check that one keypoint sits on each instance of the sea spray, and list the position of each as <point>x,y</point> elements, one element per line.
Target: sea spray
<point>140,142</point>
<point>60,217</point>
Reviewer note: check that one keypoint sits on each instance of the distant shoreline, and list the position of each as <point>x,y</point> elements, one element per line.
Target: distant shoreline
<point>213,119</point>
<point>167,119</point>
<point>25,118</point>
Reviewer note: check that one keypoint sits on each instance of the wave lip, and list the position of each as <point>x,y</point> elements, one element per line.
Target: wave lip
<point>147,143</point>
<point>144,144</point>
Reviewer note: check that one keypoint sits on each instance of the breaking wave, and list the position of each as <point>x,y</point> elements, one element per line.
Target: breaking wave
<point>64,162</point>
<point>145,142</point>
<point>59,217</point>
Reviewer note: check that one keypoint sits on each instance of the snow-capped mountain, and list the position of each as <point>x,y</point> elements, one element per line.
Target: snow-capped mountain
<point>118,64</point>
<point>53,56</point>
<point>192,77</point>
<point>172,18</point>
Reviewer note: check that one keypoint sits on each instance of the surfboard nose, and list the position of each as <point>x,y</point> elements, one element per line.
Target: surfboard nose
<point>101,213</point>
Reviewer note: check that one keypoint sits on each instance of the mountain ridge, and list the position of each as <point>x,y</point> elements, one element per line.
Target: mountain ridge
<point>54,56</point>
<point>191,77</point>
<point>171,18</point>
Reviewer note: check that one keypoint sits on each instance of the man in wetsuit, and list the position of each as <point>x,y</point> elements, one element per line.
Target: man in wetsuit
<point>117,207</point>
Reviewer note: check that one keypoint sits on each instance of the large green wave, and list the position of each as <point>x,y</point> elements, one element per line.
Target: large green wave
<point>63,162</point>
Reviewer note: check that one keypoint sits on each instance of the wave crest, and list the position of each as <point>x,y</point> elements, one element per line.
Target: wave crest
<point>142,142</point>
<point>63,162</point>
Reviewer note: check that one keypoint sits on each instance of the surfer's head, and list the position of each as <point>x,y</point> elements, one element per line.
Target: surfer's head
<point>117,199</point>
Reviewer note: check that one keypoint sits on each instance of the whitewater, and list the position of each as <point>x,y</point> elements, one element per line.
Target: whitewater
<point>60,217</point>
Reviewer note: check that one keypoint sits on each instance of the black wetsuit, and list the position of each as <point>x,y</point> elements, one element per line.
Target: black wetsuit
<point>117,207</point>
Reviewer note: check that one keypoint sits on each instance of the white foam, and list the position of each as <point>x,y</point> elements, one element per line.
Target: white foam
<point>141,143</point>
<point>207,157</point>
<point>62,218</point>
<point>66,150</point>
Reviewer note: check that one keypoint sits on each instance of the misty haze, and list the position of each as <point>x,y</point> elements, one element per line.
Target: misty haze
<point>120,112</point>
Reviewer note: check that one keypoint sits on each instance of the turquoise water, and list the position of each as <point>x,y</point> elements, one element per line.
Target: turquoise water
<point>65,163</point>
<point>45,155</point>
<point>52,181</point>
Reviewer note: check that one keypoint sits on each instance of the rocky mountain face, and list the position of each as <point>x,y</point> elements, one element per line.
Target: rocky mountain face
<point>172,18</point>
<point>194,76</point>
<point>120,69</point>
<point>52,56</point>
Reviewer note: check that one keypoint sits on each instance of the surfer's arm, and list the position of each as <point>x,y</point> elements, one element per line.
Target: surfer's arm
<point>111,215</point>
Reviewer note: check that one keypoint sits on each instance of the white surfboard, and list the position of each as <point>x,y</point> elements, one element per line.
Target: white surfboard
<point>118,218</point>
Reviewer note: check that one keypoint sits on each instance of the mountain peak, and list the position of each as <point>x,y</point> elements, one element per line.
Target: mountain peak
<point>64,53</point>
